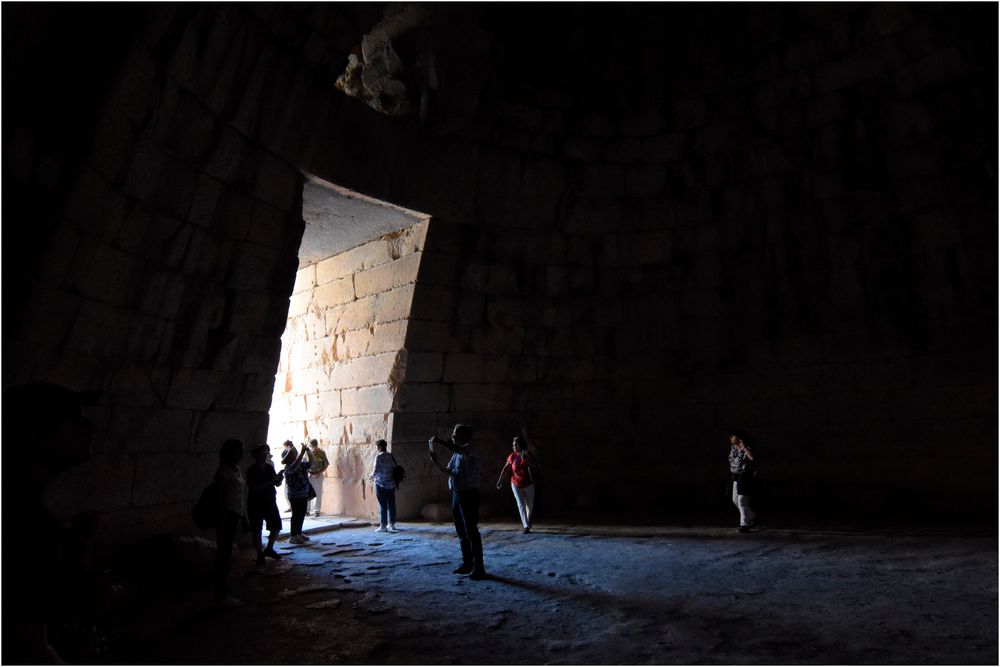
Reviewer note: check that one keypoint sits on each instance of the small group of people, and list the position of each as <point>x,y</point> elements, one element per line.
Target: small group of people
<point>250,501</point>
<point>463,471</point>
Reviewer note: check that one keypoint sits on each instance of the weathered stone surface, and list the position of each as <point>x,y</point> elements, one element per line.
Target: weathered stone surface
<point>194,389</point>
<point>367,400</point>
<point>346,264</point>
<point>422,397</point>
<point>334,293</point>
<point>215,427</point>
<point>387,276</point>
<point>461,367</point>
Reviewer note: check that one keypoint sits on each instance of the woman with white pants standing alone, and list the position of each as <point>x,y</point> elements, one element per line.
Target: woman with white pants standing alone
<point>522,479</point>
<point>742,469</point>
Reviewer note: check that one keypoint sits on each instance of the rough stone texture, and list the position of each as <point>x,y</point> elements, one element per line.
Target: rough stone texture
<point>337,383</point>
<point>800,240</point>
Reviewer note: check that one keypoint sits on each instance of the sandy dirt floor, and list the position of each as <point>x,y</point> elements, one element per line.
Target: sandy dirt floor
<point>593,595</point>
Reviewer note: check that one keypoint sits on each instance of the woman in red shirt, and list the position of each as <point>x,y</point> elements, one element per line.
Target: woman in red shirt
<point>522,479</point>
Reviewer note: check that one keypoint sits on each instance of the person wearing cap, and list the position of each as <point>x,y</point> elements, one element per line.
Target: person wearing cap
<point>54,415</point>
<point>297,489</point>
<point>261,504</point>
<point>232,494</point>
<point>318,463</point>
<point>463,481</point>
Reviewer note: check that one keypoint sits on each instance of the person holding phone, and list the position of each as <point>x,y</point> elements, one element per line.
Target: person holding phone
<point>463,480</point>
<point>742,470</point>
<point>297,489</point>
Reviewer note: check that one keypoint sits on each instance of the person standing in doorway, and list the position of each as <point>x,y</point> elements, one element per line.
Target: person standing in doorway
<point>298,490</point>
<point>522,467</point>
<point>287,446</point>
<point>742,470</point>
<point>232,494</point>
<point>261,504</point>
<point>318,463</point>
<point>385,487</point>
<point>463,480</point>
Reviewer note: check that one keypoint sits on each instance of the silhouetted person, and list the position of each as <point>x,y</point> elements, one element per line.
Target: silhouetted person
<point>522,467</point>
<point>297,489</point>
<point>47,424</point>
<point>262,506</point>
<point>318,463</point>
<point>463,480</point>
<point>742,470</point>
<point>385,487</point>
<point>288,446</point>
<point>232,494</point>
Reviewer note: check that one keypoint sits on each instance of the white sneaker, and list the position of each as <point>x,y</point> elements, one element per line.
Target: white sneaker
<point>392,528</point>
<point>381,529</point>
<point>297,539</point>
<point>304,537</point>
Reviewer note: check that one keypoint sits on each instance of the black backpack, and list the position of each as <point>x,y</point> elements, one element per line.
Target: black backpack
<point>398,472</point>
<point>206,511</point>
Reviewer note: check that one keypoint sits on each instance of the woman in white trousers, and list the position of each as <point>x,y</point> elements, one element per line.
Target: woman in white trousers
<point>522,479</point>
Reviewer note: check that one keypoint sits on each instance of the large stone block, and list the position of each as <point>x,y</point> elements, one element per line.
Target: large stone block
<point>97,207</point>
<point>268,226</point>
<point>138,385</point>
<point>334,293</point>
<point>149,430</point>
<point>214,427</point>
<point>164,478</point>
<point>361,314</point>
<point>252,267</point>
<point>359,429</point>
<point>430,335</point>
<point>348,263</point>
<point>463,367</point>
<point>388,337</point>
<point>423,397</point>
<point>364,371</point>
<point>412,426</point>
<point>324,405</point>
<point>305,280</point>
<point>431,302</point>
<point>109,275</point>
<point>387,276</point>
<point>424,366</point>
<point>194,389</point>
<point>366,400</point>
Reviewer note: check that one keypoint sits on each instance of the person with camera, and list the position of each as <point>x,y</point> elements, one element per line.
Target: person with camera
<point>463,480</point>
<point>261,504</point>
<point>742,470</point>
<point>298,490</point>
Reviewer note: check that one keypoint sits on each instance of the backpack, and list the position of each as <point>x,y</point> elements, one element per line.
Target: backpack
<point>398,472</point>
<point>206,511</point>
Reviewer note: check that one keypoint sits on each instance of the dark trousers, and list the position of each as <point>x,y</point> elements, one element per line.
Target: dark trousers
<point>386,505</point>
<point>465,509</point>
<point>298,514</point>
<point>225,535</point>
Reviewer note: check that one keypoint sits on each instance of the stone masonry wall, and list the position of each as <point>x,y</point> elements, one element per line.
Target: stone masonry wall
<point>342,360</point>
<point>782,217</point>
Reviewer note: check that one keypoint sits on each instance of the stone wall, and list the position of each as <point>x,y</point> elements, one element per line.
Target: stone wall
<point>343,358</point>
<point>782,217</point>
